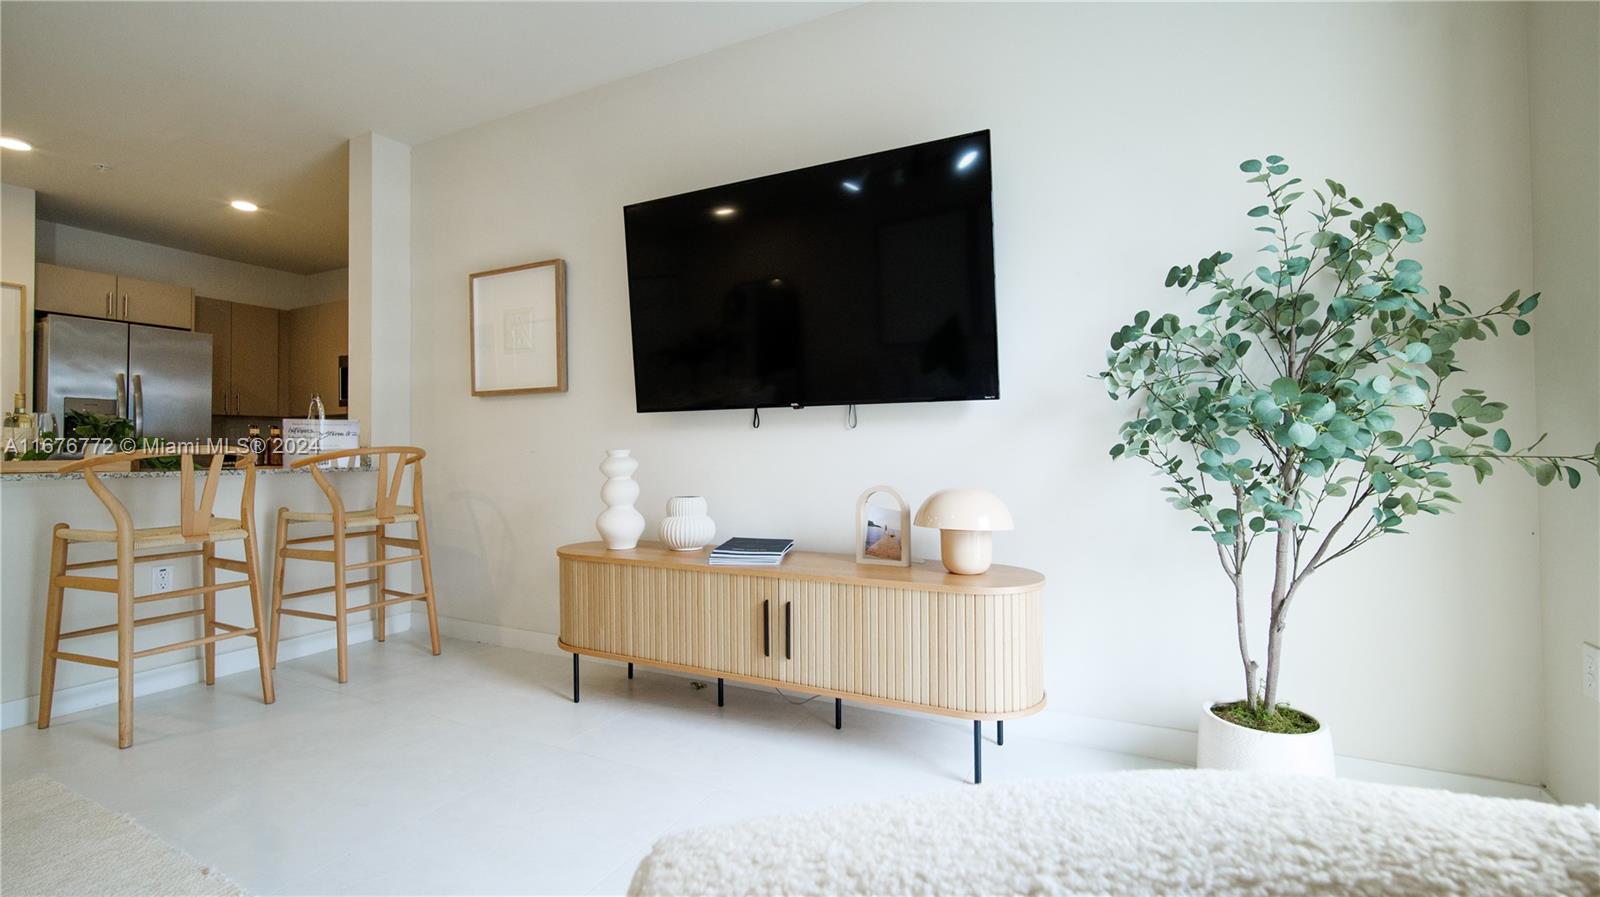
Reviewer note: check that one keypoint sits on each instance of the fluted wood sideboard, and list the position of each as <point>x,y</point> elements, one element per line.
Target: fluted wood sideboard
<point>916,637</point>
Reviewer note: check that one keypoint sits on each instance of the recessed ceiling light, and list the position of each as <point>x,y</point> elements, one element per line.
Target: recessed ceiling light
<point>12,143</point>
<point>244,205</point>
<point>723,211</point>
<point>966,160</point>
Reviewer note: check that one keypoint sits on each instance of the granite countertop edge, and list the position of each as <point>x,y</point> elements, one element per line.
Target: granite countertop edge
<point>172,474</point>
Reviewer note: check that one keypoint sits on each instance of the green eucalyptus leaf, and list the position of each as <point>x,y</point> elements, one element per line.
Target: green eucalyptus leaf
<point>1302,434</point>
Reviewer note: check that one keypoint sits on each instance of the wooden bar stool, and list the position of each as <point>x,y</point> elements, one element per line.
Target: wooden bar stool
<point>196,535</point>
<point>385,512</point>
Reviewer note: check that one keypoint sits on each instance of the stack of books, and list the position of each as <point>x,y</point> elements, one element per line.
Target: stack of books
<point>751,552</point>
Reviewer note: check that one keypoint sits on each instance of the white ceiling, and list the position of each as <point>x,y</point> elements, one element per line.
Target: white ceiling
<point>194,104</point>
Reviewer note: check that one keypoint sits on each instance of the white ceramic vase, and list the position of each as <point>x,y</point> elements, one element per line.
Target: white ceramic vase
<point>686,527</point>
<point>620,524</point>
<point>1225,745</point>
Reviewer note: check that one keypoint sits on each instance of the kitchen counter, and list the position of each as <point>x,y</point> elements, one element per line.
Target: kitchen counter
<point>31,503</point>
<point>200,470</point>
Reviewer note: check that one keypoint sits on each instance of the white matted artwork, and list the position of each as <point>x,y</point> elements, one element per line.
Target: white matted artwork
<point>519,329</point>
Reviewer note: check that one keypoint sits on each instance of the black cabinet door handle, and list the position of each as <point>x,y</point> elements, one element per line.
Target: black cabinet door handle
<point>766,628</point>
<point>787,607</point>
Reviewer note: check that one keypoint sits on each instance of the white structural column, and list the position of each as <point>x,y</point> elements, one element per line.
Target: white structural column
<point>380,289</point>
<point>380,305</point>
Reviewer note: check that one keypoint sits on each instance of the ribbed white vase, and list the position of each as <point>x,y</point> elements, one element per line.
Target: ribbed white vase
<point>686,527</point>
<point>620,524</point>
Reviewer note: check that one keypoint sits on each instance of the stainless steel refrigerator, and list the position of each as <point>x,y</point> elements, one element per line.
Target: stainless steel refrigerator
<point>154,376</point>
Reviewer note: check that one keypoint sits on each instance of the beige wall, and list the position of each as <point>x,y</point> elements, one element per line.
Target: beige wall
<point>217,278</point>
<point>16,266</point>
<point>329,286</point>
<point>16,235</point>
<point>1117,134</point>
<point>1564,65</point>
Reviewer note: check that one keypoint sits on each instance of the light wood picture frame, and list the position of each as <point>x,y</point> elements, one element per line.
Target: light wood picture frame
<point>883,534</point>
<point>517,321</point>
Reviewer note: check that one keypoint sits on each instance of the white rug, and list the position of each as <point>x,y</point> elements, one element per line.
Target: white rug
<point>54,841</point>
<point>1167,832</point>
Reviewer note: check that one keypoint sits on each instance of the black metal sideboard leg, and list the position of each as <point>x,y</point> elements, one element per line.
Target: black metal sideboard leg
<point>977,752</point>
<point>574,678</point>
<point>999,731</point>
<point>838,713</point>
<point>719,692</point>
<point>630,670</point>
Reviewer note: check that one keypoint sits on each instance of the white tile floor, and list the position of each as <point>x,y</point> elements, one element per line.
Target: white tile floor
<point>474,773</point>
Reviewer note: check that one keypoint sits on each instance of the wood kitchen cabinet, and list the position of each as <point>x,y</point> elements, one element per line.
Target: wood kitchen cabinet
<point>244,356</point>
<point>93,294</point>
<point>215,317</point>
<point>255,360</point>
<point>71,291</point>
<point>161,304</point>
<point>315,337</point>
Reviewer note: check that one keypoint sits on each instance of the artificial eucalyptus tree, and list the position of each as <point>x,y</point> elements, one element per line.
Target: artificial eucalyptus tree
<point>1305,402</point>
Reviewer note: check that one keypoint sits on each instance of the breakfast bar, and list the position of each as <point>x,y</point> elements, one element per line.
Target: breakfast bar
<point>32,503</point>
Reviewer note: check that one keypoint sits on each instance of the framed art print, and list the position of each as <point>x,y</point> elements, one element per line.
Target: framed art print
<point>518,321</point>
<point>883,528</point>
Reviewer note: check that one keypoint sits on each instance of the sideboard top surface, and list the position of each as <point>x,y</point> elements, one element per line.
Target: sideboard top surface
<point>813,565</point>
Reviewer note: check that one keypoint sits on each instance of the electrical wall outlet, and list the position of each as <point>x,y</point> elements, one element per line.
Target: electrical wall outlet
<point>1591,672</point>
<point>161,578</point>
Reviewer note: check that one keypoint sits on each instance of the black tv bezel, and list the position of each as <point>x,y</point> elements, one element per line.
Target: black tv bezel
<point>988,149</point>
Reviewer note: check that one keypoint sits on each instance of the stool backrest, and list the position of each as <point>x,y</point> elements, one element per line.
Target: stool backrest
<point>194,519</point>
<point>391,462</point>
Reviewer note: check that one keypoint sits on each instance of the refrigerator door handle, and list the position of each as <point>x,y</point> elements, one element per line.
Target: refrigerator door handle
<point>122,394</point>
<point>138,407</point>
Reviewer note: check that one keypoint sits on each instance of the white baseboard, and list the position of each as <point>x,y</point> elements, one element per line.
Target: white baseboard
<point>25,711</point>
<point>1139,739</point>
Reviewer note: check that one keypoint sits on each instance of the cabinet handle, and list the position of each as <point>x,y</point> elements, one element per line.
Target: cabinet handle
<point>766,628</point>
<point>124,306</point>
<point>108,305</point>
<point>787,616</point>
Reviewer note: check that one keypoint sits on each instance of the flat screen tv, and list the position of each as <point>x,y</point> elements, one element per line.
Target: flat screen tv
<point>863,281</point>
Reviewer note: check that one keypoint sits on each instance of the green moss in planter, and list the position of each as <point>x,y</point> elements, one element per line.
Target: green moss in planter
<point>1284,720</point>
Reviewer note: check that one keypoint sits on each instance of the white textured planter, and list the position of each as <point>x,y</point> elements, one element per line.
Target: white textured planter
<point>1224,745</point>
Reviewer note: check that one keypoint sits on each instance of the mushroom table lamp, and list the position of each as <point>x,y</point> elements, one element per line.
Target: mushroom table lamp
<point>964,518</point>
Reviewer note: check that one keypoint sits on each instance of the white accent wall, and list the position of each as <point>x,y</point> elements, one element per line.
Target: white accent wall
<point>1564,58</point>
<point>1117,132</point>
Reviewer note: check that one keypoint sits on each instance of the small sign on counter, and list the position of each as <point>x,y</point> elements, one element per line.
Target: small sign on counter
<point>307,436</point>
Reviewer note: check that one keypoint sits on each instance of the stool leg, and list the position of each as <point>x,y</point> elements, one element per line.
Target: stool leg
<point>52,625</point>
<point>208,553</point>
<point>339,623</point>
<point>281,535</point>
<point>380,614</point>
<point>125,638</point>
<point>253,577</point>
<point>427,576</point>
